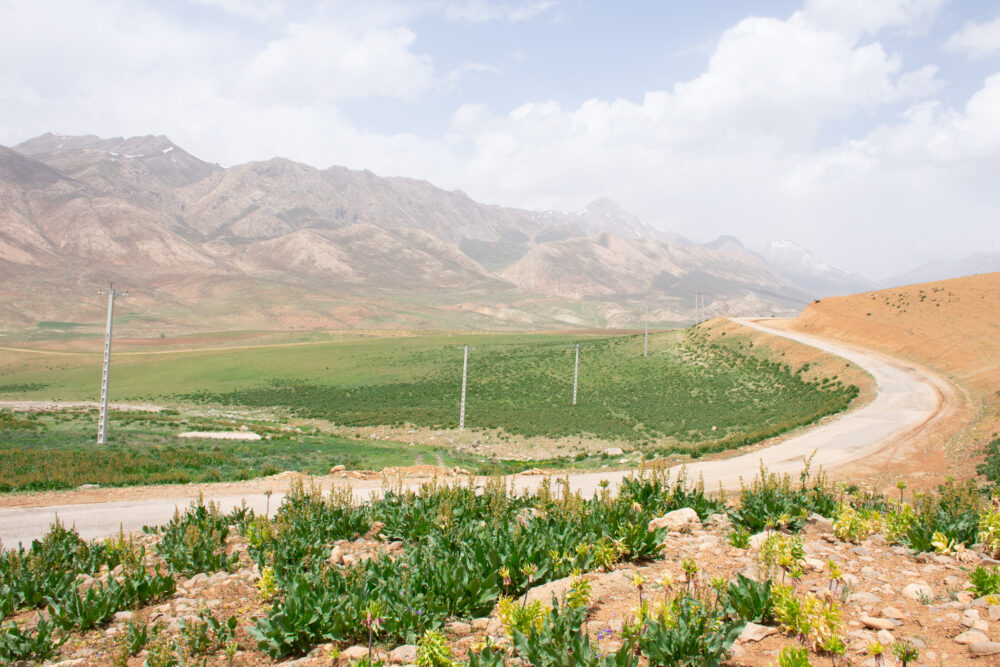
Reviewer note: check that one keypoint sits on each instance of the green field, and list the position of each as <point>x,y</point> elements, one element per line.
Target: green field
<point>691,395</point>
<point>57,451</point>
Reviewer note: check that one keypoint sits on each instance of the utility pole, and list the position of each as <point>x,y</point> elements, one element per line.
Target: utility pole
<point>576,371</point>
<point>645,335</point>
<point>102,422</point>
<point>465,371</point>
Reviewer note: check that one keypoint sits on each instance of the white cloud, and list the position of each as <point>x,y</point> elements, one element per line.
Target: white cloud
<point>856,17</point>
<point>976,40</point>
<point>261,11</point>
<point>313,63</point>
<point>479,11</point>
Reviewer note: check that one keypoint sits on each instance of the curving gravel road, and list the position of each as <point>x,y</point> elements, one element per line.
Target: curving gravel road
<point>907,398</point>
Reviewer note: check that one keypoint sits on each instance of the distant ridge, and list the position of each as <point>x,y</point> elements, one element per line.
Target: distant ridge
<point>282,244</point>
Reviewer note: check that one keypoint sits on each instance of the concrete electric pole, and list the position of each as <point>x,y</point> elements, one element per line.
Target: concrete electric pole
<point>465,372</point>
<point>576,371</point>
<point>102,423</point>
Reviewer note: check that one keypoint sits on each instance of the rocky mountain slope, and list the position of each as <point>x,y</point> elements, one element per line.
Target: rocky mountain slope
<point>282,244</point>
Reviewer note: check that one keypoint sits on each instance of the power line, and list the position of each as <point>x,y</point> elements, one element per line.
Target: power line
<point>102,421</point>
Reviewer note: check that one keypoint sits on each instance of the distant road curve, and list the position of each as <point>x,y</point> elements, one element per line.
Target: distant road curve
<point>907,399</point>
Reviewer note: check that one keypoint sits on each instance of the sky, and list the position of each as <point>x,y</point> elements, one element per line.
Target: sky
<point>867,131</point>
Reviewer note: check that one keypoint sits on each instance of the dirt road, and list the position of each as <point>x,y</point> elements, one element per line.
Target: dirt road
<point>908,400</point>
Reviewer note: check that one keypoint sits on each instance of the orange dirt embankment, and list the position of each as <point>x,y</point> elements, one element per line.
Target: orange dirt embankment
<point>951,327</point>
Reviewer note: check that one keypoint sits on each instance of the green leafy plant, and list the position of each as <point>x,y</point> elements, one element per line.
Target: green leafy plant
<point>791,656</point>
<point>984,581</point>
<point>989,527</point>
<point>905,651</point>
<point>18,644</point>
<point>852,525</point>
<point>433,650</point>
<point>751,600</point>
<point>739,537</point>
<point>688,631</point>
<point>196,541</point>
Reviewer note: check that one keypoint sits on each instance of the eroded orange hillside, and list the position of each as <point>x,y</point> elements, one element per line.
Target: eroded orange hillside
<point>949,326</point>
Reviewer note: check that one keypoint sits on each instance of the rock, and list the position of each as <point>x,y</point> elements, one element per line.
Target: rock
<point>754,633</point>
<point>494,628</point>
<point>971,637</point>
<point>458,629</point>
<point>196,580</point>
<point>719,522</point>
<point>339,468</point>
<point>863,598</point>
<point>985,648</point>
<point>373,532</point>
<point>758,539</point>
<point>820,523</point>
<point>885,637</point>
<point>336,556</point>
<point>815,564</point>
<point>123,617</point>
<point>893,612</point>
<point>480,624</point>
<point>994,611</point>
<point>402,655</point>
<point>84,487</point>
<point>683,520</point>
<point>460,471</point>
<point>918,591</point>
<point>877,623</point>
<point>613,451</point>
<point>356,652</point>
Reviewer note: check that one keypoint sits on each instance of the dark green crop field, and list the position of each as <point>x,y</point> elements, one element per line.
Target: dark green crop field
<point>693,394</point>
<point>687,390</point>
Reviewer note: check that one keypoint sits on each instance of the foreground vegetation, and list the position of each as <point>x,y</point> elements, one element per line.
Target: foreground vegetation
<point>449,553</point>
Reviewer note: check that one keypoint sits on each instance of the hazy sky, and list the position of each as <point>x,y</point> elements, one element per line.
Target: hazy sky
<point>865,130</point>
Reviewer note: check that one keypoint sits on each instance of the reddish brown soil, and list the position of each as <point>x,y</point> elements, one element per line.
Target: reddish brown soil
<point>951,327</point>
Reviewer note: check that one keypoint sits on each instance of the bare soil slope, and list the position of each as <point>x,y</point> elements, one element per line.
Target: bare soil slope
<point>949,326</point>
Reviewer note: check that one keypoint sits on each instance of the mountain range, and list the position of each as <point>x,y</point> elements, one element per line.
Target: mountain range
<point>281,244</point>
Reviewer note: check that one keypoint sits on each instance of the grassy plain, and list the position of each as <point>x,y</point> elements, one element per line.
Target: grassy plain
<point>56,450</point>
<point>697,392</point>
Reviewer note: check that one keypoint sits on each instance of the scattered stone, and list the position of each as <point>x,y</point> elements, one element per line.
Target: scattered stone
<point>754,633</point>
<point>877,623</point>
<point>84,487</point>
<point>893,613</point>
<point>354,653</point>
<point>985,648</point>
<point>338,468</point>
<point>971,637</point>
<point>684,519</point>
<point>820,523</point>
<point>336,556</point>
<point>123,617</point>
<point>458,629</point>
<point>402,655</point>
<point>917,591</point>
<point>480,624</point>
<point>614,451</point>
<point>864,598</point>
<point>885,637</point>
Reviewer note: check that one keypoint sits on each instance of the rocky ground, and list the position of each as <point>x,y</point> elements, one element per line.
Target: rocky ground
<point>888,593</point>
